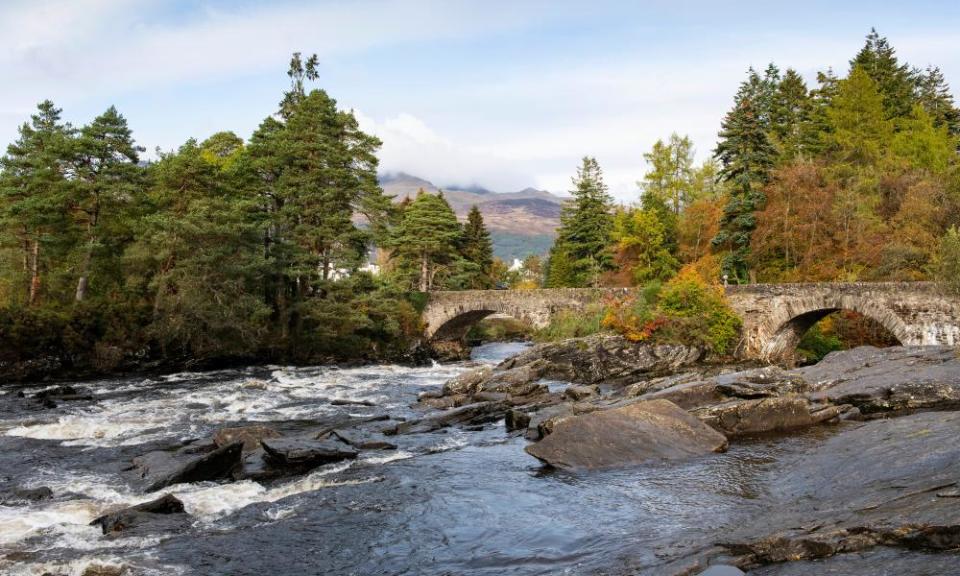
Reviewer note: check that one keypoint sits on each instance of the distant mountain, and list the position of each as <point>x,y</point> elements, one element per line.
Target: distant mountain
<point>521,223</point>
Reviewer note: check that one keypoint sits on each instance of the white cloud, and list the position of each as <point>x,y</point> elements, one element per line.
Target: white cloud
<point>409,145</point>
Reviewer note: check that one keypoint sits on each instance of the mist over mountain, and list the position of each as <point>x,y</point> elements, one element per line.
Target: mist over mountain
<point>521,223</point>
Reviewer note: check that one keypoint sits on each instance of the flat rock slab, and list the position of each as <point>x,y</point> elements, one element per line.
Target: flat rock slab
<point>626,436</point>
<point>305,453</point>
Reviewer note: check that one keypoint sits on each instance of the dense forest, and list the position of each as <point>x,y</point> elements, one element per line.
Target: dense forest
<point>854,179</point>
<point>220,250</point>
<point>227,250</point>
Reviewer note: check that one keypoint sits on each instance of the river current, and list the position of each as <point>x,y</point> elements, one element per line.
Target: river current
<point>456,502</point>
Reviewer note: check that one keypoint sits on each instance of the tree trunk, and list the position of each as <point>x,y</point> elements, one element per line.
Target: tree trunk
<point>84,270</point>
<point>88,257</point>
<point>35,271</point>
<point>424,274</point>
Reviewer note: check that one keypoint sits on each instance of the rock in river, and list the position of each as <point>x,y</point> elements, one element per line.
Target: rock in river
<point>603,358</point>
<point>629,435</point>
<point>161,469</point>
<point>166,511</point>
<point>249,435</point>
<point>302,454</point>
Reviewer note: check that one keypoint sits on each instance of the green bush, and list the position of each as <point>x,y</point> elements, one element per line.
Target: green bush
<point>685,310</point>
<point>573,324</point>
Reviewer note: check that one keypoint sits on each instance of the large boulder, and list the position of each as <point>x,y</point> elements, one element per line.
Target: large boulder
<point>604,358</point>
<point>163,513</point>
<point>625,436</point>
<point>468,382</point>
<point>160,469</point>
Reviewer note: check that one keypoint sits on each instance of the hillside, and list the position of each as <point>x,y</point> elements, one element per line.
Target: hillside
<point>521,223</point>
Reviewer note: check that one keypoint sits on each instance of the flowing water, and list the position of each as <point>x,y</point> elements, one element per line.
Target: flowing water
<point>455,502</point>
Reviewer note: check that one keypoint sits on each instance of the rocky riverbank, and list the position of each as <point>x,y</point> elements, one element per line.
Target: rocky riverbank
<point>887,476</point>
<point>850,465</point>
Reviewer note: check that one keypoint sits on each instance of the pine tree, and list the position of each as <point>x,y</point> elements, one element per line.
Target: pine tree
<point>583,239</point>
<point>896,82</point>
<point>934,95</point>
<point>789,117</point>
<point>198,257</point>
<point>108,179</point>
<point>746,157</point>
<point>426,239</point>
<point>817,129</point>
<point>36,193</point>
<point>478,249</point>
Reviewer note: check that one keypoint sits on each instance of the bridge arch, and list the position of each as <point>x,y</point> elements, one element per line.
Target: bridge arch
<point>776,316</point>
<point>791,322</point>
<point>449,315</point>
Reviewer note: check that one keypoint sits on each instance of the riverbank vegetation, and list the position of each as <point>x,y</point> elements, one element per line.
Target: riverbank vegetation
<point>853,179</point>
<point>221,250</point>
<point>230,249</point>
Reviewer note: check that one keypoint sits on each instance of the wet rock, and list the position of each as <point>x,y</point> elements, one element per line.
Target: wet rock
<point>689,394</point>
<point>604,358</point>
<point>445,402</point>
<point>880,380</point>
<point>476,413</point>
<point>519,380</point>
<point>468,382</point>
<point>629,435</point>
<point>163,513</point>
<point>364,440</point>
<point>871,485</point>
<point>348,402</point>
<point>516,420</point>
<point>104,570</point>
<point>577,393</point>
<point>739,417</point>
<point>250,436</point>
<point>161,469</point>
<point>254,385</point>
<point>64,393</point>
<point>303,454</point>
<point>26,495</point>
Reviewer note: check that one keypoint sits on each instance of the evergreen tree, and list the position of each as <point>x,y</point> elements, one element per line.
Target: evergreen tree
<point>426,239</point>
<point>896,82</point>
<point>858,129</point>
<point>789,117</point>
<point>478,249</point>
<point>107,181</point>
<point>582,249</point>
<point>670,179</point>
<point>818,127</point>
<point>36,193</point>
<point>198,258</point>
<point>934,95</point>
<point>746,157</point>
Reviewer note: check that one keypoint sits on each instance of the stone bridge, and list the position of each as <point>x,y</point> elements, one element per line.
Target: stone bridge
<point>775,316</point>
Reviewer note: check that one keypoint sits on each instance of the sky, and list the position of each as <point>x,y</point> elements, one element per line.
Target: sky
<point>501,94</point>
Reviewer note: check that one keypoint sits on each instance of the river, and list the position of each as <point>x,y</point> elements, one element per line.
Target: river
<point>456,502</point>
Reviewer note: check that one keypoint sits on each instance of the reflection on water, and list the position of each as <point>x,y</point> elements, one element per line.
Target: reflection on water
<point>466,503</point>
